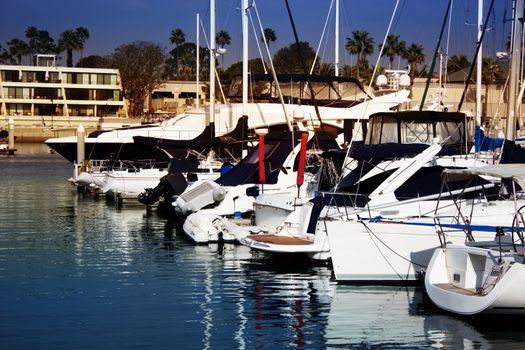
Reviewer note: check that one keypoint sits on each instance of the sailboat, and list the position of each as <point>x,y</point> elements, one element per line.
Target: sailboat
<point>487,276</point>
<point>482,276</point>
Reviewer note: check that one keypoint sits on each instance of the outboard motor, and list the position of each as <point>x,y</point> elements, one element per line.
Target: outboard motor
<point>175,183</point>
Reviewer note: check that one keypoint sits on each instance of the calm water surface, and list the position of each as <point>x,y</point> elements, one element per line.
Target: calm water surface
<point>77,273</point>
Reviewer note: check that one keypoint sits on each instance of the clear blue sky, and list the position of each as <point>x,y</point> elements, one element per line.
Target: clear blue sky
<point>114,22</point>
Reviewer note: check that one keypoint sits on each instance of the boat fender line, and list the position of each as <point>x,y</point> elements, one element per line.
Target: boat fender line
<point>370,232</point>
<point>86,165</point>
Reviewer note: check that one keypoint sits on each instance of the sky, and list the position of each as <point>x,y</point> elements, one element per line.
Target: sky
<point>112,23</point>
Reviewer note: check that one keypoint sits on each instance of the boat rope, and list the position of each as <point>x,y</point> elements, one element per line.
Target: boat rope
<point>478,45</point>
<point>303,64</point>
<point>388,247</point>
<point>258,45</point>
<point>433,64</point>
<point>216,72</point>
<point>322,37</point>
<point>369,90</point>
<point>501,271</point>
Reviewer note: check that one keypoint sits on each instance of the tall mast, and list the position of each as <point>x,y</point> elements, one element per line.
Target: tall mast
<point>212,62</point>
<point>479,64</point>
<point>244,56</point>
<point>197,68</point>
<point>517,32</point>
<point>336,63</point>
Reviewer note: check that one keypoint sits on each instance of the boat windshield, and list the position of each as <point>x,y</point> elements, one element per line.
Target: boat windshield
<point>388,129</point>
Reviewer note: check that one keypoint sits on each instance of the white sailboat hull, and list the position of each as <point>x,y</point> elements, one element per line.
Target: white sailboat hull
<point>462,280</point>
<point>385,251</point>
<point>132,182</point>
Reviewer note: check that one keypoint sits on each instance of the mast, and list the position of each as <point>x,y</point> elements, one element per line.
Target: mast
<point>517,32</point>
<point>479,64</point>
<point>212,64</point>
<point>244,57</point>
<point>197,68</point>
<point>336,63</point>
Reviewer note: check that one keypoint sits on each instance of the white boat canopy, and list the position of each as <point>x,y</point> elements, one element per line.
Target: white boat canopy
<point>515,172</point>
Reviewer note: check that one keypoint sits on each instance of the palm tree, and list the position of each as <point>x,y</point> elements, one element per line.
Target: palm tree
<point>490,70</point>
<point>269,34</point>
<point>82,35</point>
<point>326,69</point>
<point>5,56</point>
<point>223,38</point>
<point>32,34</point>
<point>360,44</point>
<point>69,41</point>
<point>457,63</point>
<point>18,48</point>
<point>393,47</point>
<point>414,55</point>
<point>177,37</point>
<point>40,41</point>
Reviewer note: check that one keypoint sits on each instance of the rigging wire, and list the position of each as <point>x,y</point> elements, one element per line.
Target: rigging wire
<point>367,96</point>
<point>257,41</point>
<point>328,16</point>
<point>370,232</point>
<point>301,57</point>
<point>274,74</point>
<point>216,72</point>
<point>382,48</point>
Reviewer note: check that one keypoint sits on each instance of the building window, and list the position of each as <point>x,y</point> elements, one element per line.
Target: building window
<point>18,108</point>
<point>11,75</point>
<point>54,77</point>
<point>105,79</point>
<point>47,93</point>
<point>18,92</point>
<point>28,77</point>
<point>78,94</point>
<point>105,95</point>
<point>81,111</point>
<point>68,77</point>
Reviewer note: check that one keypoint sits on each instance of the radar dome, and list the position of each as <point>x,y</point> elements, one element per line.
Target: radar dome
<point>381,80</point>
<point>404,81</point>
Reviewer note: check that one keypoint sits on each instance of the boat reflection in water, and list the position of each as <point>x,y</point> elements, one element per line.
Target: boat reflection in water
<point>86,267</point>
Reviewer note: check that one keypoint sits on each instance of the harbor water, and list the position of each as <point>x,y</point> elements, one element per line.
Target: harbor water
<point>78,273</point>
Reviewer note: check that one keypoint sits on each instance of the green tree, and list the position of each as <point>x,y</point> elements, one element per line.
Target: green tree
<point>32,35</point>
<point>457,63</point>
<point>270,36</point>
<point>348,70</point>
<point>18,48</point>
<point>393,47</point>
<point>40,42</point>
<point>234,71</point>
<point>187,61</point>
<point>360,44</point>
<point>177,38</point>
<point>326,69</point>
<point>141,64</point>
<point>5,57</point>
<point>69,41</point>
<point>490,70</point>
<point>286,59</point>
<point>83,36</point>
<point>222,39</point>
<point>95,61</point>
<point>414,55</point>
